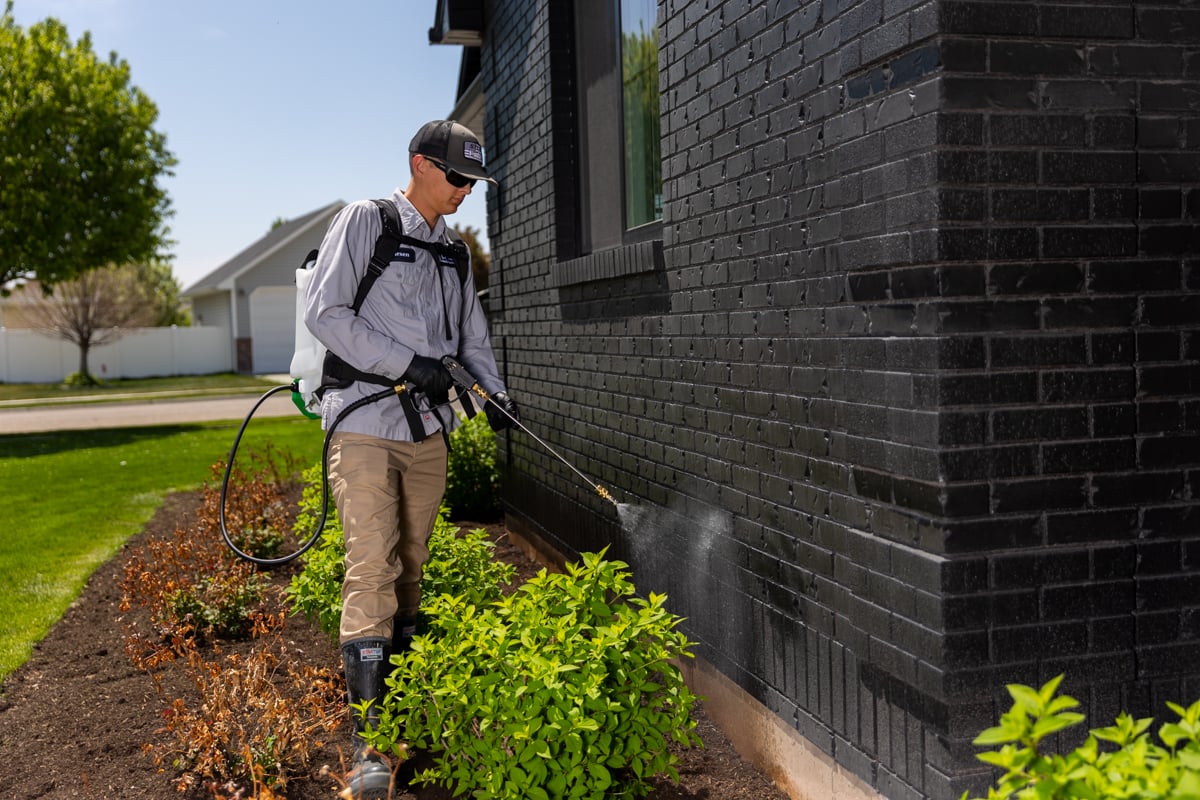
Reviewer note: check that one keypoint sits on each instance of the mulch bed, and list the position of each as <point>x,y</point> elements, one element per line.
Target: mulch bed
<point>75,720</point>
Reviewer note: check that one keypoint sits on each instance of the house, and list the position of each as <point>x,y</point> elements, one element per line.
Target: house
<point>253,295</point>
<point>16,307</point>
<point>885,319</point>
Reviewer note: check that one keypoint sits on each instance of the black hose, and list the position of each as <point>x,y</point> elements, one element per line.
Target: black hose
<point>316,534</point>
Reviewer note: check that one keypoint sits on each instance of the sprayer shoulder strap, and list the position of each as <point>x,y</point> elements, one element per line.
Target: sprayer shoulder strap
<point>385,247</point>
<point>391,237</point>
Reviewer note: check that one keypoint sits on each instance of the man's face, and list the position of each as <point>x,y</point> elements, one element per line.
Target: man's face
<point>437,184</point>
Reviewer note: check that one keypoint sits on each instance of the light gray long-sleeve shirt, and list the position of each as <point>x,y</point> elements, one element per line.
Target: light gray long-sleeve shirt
<point>404,314</point>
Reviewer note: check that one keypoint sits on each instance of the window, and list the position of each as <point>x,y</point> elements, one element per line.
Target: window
<point>620,164</point>
<point>639,80</point>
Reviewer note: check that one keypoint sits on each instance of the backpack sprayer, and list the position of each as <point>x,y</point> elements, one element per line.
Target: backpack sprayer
<point>402,391</point>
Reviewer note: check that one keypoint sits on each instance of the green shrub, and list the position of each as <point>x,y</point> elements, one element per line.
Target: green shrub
<point>80,380</point>
<point>472,476</point>
<point>460,563</point>
<point>565,688</point>
<point>1130,765</point>
<point>316,591</point>
<point>219,605</point>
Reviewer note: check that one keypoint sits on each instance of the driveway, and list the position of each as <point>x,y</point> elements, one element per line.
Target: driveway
<point>89,416</point>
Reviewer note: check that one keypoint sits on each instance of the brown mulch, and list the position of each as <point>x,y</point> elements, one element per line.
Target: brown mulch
<point>76,718</point>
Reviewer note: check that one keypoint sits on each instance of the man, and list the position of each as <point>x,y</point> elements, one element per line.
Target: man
<point>387,463</point>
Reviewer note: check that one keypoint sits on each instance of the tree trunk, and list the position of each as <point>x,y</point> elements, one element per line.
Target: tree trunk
<point>84,375</point>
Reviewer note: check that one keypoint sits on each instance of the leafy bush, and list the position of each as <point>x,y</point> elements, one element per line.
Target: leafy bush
<point>316,591</point>
<point>460,563</point>
<point>563,689</point>
<point>472,475</point>
<point>1134,767</point>
<point>80,380</point>
<point>219,605</point>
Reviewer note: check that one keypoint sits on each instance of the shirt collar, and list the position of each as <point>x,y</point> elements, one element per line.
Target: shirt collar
<point>414,223</point>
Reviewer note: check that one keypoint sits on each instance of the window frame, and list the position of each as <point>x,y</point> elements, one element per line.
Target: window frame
<point>602,190</point>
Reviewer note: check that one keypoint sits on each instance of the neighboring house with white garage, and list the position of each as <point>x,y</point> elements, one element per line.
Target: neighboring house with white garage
<point>253,294</point>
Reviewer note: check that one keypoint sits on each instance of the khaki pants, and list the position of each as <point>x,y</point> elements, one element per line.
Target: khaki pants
<point>387,494</point>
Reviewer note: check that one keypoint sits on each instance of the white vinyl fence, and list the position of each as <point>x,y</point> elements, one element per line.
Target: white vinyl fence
<point>30,357</point>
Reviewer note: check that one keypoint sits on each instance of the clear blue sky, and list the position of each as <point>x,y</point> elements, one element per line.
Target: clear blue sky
<point>273,108</point>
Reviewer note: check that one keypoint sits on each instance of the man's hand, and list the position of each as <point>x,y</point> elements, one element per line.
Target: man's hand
<point>497,418</point>
<point>430,377</point>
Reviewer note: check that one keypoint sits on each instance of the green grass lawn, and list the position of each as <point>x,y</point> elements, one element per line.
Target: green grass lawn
<point>73,497</point>
<point>11,393</point>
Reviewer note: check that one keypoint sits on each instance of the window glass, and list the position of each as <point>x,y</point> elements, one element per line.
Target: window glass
<point>639,80</point>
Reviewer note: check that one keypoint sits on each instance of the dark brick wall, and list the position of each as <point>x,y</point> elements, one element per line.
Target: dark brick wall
<point>907,404</point>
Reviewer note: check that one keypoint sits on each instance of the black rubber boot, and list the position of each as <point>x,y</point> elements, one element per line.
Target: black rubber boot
<point>403,630</point>
<point>367,663</point>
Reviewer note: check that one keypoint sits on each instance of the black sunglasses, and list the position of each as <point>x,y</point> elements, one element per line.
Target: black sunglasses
<point>453,177</point>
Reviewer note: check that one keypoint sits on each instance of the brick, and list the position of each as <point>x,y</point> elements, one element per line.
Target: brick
<point>1137,489</point>
<point>1091,526</point>
<point>1112,348</point>
<point>1175,168</point>
<point>1071,457</point>
<point>1036,278</point>
<point>1099,313</point>
<point>1018,57</point>
<point>961,317</point>
<point>973,92</point>
<point>1035,204</point>
<point>1081,168</point>
<point>1044,129</point>
<point>1160,239</point>
<point>1094,21</point>
<point>1142,275</point>
<point>1048,640</point>
<point>1176,25</point>
<point>1082,240</point>
<point>1160,132</point>
<point>1136,59</point>
<point>1170,311</point>
<point>958,16</point>
<point>981,535</point>
<point>1166,380</point>
<point>1090,95</point>
<point>1063,350</point>
<point>1038,568</point>
<point>1115,131</point>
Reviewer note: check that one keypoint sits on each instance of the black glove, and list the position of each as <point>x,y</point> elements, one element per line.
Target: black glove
<point>497,418</point>
<point>429,376</point>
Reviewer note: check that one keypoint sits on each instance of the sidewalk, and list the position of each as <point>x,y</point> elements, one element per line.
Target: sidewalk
<point>91,416</point>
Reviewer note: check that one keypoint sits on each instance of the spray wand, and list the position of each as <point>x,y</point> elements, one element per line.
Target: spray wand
<point>464,379</point>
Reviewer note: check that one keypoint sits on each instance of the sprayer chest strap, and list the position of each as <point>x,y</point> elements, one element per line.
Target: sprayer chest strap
<point>391,238</point>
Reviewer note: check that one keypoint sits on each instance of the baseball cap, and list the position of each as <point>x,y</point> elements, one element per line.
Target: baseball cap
<point>453,144</point>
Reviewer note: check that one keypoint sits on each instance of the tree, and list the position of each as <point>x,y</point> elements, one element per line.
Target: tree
<point>481,262</point>
<point>162,292</point>
<point>101,305</point>
<point>80,161</point>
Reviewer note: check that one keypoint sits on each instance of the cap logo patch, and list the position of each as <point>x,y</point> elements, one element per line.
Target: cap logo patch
<point>473,151</point>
